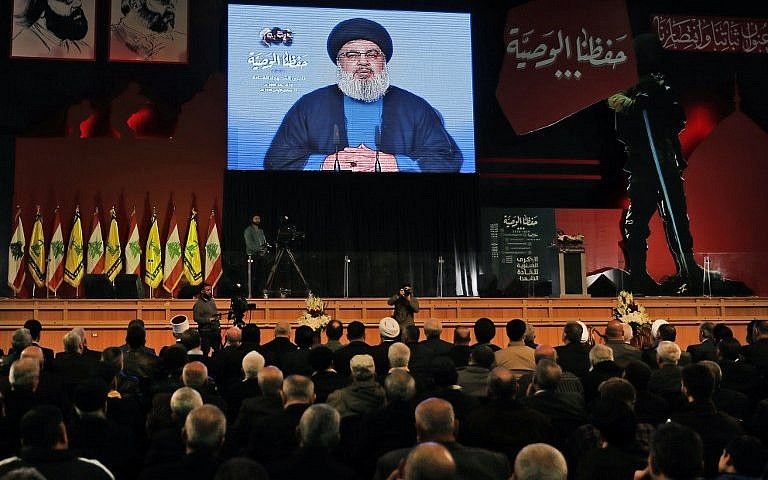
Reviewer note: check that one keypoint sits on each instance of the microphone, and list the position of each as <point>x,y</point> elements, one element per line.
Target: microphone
<point>377,133</point>
<point>336,141</point>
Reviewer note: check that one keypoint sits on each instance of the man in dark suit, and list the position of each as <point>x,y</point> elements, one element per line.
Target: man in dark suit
<point>204,431</point>
<point>461,348</point>
<point>665,382</point>
<point>564,410</point>
<point>35,327</point>
<point>603,368</point>
<point>431,348</point>
<point>238,390</point>
<point>326,379</point>
<point>573,356</point>
<point>167,444</point>
<point>93,356</point>
<point>707,349</point>
<point>435,422</point>
<point>275,349</point>
<point>485,330</point>
<point>268,404</point>
<point>389,332</point>
<point>757,352</point>
<point>71,364</point>
<point>195,375</point>
<point>296,362</point>
<point>227,362</point>
<point>473,378</point>
<point>623,353</point>
<point>356,346</point>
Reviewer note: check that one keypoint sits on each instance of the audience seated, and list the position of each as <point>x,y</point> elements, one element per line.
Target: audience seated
<point>623,353</point>
<point>128,414</point>
<point>35,327</point>
<point>757,352</point>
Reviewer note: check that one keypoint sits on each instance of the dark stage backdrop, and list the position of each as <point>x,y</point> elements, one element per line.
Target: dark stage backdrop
<point>7,154</point>
<point>393,227</point>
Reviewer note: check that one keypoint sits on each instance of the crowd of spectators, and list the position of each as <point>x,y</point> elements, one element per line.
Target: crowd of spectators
<point>400,408</point>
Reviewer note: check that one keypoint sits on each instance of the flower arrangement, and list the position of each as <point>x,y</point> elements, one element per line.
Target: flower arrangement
<point>314,315</point>
<point>629,311</point>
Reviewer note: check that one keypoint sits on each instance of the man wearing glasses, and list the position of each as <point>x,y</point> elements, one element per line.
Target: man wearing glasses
<point>362,124</point>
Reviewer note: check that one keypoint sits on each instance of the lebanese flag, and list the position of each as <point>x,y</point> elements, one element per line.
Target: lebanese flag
<point>95,251</point>
<point>212,253</point>
<point>174,266</point>
<point>55,272</point>
<point>16,270</point>
<point>133,248</point>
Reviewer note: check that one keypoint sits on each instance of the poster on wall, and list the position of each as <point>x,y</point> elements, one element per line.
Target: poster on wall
<point>150,31</point>
<point>53,29</point>
<point>514,248</point>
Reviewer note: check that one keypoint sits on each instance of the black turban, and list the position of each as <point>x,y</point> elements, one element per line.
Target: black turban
<point>358,29</point>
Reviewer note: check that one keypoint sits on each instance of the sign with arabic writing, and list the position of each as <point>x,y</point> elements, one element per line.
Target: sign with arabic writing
<point>515,242</point>
<point>712,34</point>
<point>561,57</point>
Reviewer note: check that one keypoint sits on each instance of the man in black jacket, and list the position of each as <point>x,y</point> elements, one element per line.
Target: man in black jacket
<point>35,327</point>
<point>573,356</point>
<point>275,349</point>
<point>707,349</point>
<point>356,346</point>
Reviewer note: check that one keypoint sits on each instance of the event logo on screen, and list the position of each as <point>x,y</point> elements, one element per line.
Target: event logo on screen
<point>362,91</point>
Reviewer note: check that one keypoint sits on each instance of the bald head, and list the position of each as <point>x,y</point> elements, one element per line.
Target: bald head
<point>184,400</point>
<point>24,374</point>
<point>501,384</point>
<point>35,353</point>
<point>204,429</point>
<point>283,329</point>
<point>430,461</point>
<point>433,327</point>
<point>540,461</point>
<point>614,330</point>
<point>545,351</point>
<point>461,336</point>
<point>194,375</point>
<point>233,336</point>
<point>435,421</point>
<point>270,381</point>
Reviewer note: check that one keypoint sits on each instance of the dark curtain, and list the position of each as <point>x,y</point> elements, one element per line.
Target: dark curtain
<point>393,228</point>
<point>7,154</point>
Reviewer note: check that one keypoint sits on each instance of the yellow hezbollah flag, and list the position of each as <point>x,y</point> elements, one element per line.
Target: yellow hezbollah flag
<point>193,265</point>
<point>36,256</point>
<point>153,260</point>
<point>75,264</point>
<point>114,255</point>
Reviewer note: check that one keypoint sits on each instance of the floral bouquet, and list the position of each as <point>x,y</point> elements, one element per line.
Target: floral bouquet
<point>314,315</point>
<point>630,312</point>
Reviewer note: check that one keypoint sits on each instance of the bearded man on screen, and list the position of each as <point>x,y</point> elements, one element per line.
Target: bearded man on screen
<point>362,124</point>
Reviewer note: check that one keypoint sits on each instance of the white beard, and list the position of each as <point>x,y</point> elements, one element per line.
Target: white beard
<point>364,89</point>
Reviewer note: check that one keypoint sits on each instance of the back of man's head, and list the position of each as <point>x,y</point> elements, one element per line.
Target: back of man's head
<point>572,332</point>
<point>356,331</point>
<point>668,353</point>
<point>43,427</point>
<point>399,355</point>
<point>183,401</point>
<point>722,331</point>
<point>252,364</point>
<point>334,330</point>
<point>614,330</point>
<point>600,353</point>
<point>34,327</point>
<point>482,357</point>
<point>545,351</point>
<point>485,330</point>
<point>91,397</point>
<point>729,349</point>
<point>430,461</point>
<point>443,372</point>
<point>744,455</point>
<point>362,367</point>
<point>72,342</point>
<point>283,328</point>
<point>638,374</point>
<point>435,420</point>
<point>190,339</point>
<point>194,375</point>
<point>35,353</point>
<point>298,389</point>
<point>21,339</point>
<point>433,327</point>
<point>461,336</point>
<point>251,333</point>
<point>304,336</point>
<point>320,359</point>
<point>698,382</point>
<point>676,452</point>
<point>618,389</point>
<point>762,327</point>
<point>270,381</point>
<point>241,468</point>
<point>174,358</point>
<point>540,461</point>
<point>233,336</point>
<point>715,370</point>
<point>135,336</point>
<point>667,332</point>
<point>501,384</point>
<point>319,426</point>
<point>616,422</point>
<point>24,374</point>
<point>515,330</point>
<point>400,386</point>
<point>411,334</point>
<point>548,374</point>
<point>706,330</point>
<point>113,356</point>
<point>204,429</point>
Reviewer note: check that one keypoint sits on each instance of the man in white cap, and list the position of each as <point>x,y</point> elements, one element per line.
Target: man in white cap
<point>389,331</point>
<point>179,325</point>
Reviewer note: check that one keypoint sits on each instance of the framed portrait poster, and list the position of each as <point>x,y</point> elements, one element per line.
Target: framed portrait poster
<point>53,29</point>
<point>152,31</point>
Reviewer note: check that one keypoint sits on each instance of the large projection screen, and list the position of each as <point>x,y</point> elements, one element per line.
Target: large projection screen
<point>292,106</point>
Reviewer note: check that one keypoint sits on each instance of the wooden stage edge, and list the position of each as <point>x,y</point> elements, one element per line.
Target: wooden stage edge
<point>106,320</point>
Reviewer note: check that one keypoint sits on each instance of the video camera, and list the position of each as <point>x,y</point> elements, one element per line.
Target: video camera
<point>288,233</point>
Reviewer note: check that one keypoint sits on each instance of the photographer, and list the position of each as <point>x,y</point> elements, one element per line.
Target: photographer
<point>207,316</point>
<point>406,304</point>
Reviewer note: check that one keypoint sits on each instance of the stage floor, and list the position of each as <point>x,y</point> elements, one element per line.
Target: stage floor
<point>106,320</point>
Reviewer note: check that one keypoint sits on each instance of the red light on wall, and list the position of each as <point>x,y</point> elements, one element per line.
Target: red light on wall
<point>141,122</point>
<point>88,126</point>
<point>701,120</point>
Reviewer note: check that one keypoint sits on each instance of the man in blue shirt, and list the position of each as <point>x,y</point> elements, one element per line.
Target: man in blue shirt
<point>362,124</point>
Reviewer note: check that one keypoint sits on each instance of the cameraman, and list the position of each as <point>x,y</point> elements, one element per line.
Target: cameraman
<point>406,304</point>
<point>257,248</point>
<point>206,315</point>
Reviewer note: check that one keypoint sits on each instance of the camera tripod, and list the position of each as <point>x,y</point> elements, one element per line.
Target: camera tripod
<point>284,250</point>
